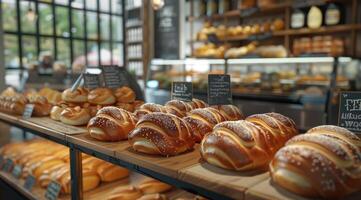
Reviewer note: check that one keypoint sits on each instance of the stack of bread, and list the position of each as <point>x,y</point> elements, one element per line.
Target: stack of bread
<point>210,50</point>
<point>48,161</point>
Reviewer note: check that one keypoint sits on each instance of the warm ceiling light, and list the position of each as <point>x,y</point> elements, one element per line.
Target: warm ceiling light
<point>157,4</point>
<point>31,15</point>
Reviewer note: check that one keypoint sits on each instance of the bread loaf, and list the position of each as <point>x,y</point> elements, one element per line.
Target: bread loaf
<point>161,133</point>
<point>152,186</point>
<point>325,162</point>
<point>178,108</point>
<point>197,103</point>
<point>109,172</point>
<point>125,95</point>
<point>230,112</point>
<point>75,116</point>
<point>149,108</point>
<point>55,112</point>
<point>101,96</point>
<point>125,193</point>
<point>80,95</point>
<point>156,196</point>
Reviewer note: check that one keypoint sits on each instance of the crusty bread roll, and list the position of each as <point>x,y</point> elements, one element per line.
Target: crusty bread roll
<point>125,193</point>
<point>75,116</point>
<point>137,104</point>
<point>197,103</point>
<point>91,163</point>
<point>238,145</point>
<point>101,96</point>
<point>111,124</point>
<point>178,108</point>
<point>152,186</point>
<point>201,121</point>
<point>80,95</point>
<point>109,172</point>
<point>230,112</point>
<point>325,162</point>
<point>55,112</point>
<point>161,133</point>
<point>148,108</point>
<point>38,171</point>
<point>93,110</point>
<point>13,104</point>
<point>53,96</point>
<point>91,180</point>
<point>156,196</point>
<point>126,106</point>
<point>41,106</point>
<point>125,95</point>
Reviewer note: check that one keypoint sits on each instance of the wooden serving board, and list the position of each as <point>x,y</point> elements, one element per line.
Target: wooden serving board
<point>9,118</point>
<point>165,165</point>
<point>221,180</point>
<point>270,190</point>
<point>50,124</point>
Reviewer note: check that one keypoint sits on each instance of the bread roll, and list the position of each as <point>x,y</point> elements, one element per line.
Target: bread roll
<point>101,96</point>
<point>91,180</point>
<point>325,162</point>
<point>80,95</point>
<point>156,196</point>
<point>124,95</point>
<point>125,193</point>
<point>53,96</point>
<point>55,112</point>
<point>41,106</point>
<point>126,106</point>
<point>149,108</point>
<point>197,103</point>
<point>92,163</point>
<point>238,145</point>
<point>152,186</point>
<point>201,121</point>
<point>111,124</point>
<point>75,116</point>
<point>178,108</point>
<point>230,112</point>
<point>109,172</point>
<point>137,104</point>
<point>161,133</point>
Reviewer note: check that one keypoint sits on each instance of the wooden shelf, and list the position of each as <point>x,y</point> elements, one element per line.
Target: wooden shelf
<point>186,171</point>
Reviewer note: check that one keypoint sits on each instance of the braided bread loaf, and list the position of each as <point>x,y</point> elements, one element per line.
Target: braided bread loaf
<point>324,162</point>
<point>101,96</point>
<point>111,124</point>
<point>178,108</point>
<point>161,133</point>
<point>197,103</point>
<point>201,121</point>
<point>148,108</point>
<point>75,116</point>
<point>230,112</point>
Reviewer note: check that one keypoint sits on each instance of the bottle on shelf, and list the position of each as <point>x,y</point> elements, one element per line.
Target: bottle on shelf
<point>314,17</point>
<point>298,19</point>
<point>332,15</point>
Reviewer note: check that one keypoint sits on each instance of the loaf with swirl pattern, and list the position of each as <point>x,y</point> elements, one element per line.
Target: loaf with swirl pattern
<point>197,103</point>
<point>177,107</point>
<point>325,162</point>
<point>161,133</point>
<point>148,108</point>
<point>230,112</point>
<point>101,96</point>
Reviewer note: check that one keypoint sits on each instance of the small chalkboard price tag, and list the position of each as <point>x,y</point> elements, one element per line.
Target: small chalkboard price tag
<point>28,111</point>
<point>114,76</point>
<point>350,111</point>
<point>17,171</point>
<point>219,89</point>
<point>53,190</point>
<point>8,165</point>
<point>182,91</point>
<point>92,81</point>
<point>29,182</point>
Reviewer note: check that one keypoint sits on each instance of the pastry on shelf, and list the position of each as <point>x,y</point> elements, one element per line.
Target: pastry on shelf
<point>229,112</point>
<point>237,52</point>
<point>111,124</point>
<point>148,108</point>
<point>109,172</point>
<point>197,103</point>
<point>53,96</point>
<point>125,193</point>
<point>178,108</point>
<point>153,186</point>
<point>79,95</point>
<point>271,51</point>
<point>41,106</point>
<point>76,116</point>
<point>8,92</point>
<point>101,96</point>
<point>125,95</point>
<point>161,134</point>
<point>325,162</point>
<point>156,196</point>
<point>277,25</point>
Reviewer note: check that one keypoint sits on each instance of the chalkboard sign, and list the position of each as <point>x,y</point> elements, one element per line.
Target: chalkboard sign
<point>219,89</point>
<point>29,182</point>
<point>92,81</point>
<point>28,111</point>
<point>112,76</point>
<point>17,171</point>
<point>248,12</point>
<point>53,190</point>
<point>167,31</point>
<point>350,111</point>
<point>182,91</point>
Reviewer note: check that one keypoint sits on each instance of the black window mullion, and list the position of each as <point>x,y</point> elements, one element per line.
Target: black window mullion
<point>37,32</point>
<point>111,33</point>
<point>54,32</point>
<point>98,32</point>
<point>85,33</point>
<point>20,44</point>
<point>125,62</point>
<point>70,17</point>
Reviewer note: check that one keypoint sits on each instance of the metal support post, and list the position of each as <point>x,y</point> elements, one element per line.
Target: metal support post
<point>76,174</point>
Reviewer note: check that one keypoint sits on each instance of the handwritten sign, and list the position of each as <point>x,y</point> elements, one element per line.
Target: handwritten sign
<point>29,108</point>
<point>219,89</point>
<point>17,171</point>
<point>350,111</point>
<point>182,91</point>
<point>92,81</point>
<point>113,77</point>
<point>29,182</point>
<point>53,190</point>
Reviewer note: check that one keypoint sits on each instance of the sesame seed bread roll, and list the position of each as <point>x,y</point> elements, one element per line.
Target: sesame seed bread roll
<point>148,108</point>
<point>178,108</point>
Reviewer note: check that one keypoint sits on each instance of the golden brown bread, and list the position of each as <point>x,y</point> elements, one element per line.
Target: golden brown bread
<point>125,95</point>
<point>161,133</point>
<point>325,162</point>
<point>55,112</point>
<point>126,106</point>
<point>75,116</point>
<point>152,186</point>
<point>101,96</point>
<point>148,108</point>
<point>111,124</point>
<point>41,106</point>
<point>125,193</point>
<point>201,121</point>
<point>13,104</point>
<point>156,196</point>
<point>137,104</point>
<point>109,172</point>
<point>80,95</point>
<point>53,96</point>
<point>197,103</point>
<point>178,108</point>
<point>91,180</point>
<point>230,112</point>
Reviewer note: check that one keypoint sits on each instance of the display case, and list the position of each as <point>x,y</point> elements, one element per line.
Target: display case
<point>299,87</point>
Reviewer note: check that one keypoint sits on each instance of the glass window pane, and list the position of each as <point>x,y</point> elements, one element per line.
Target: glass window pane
<point>104,6</point>
<point>91,4</point>
<point>78,23</point>
<point>77,4</point>
<point>29,49</point>
<point>9,15</point>
<point>45,19</point>
<point>63,2</point>
<point>91,25</point>
<point>47,46</point>
<point>92,53</point>
<point>28,23</point>
<point>63,46</point>
<point>62,22</point>
<point>104,26</point>
<point>117,6</point>
<point>105,54</point>
<point>118,54</point>
<point>117,24</point>
<point>78,53</point>
<point>11,51</point>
